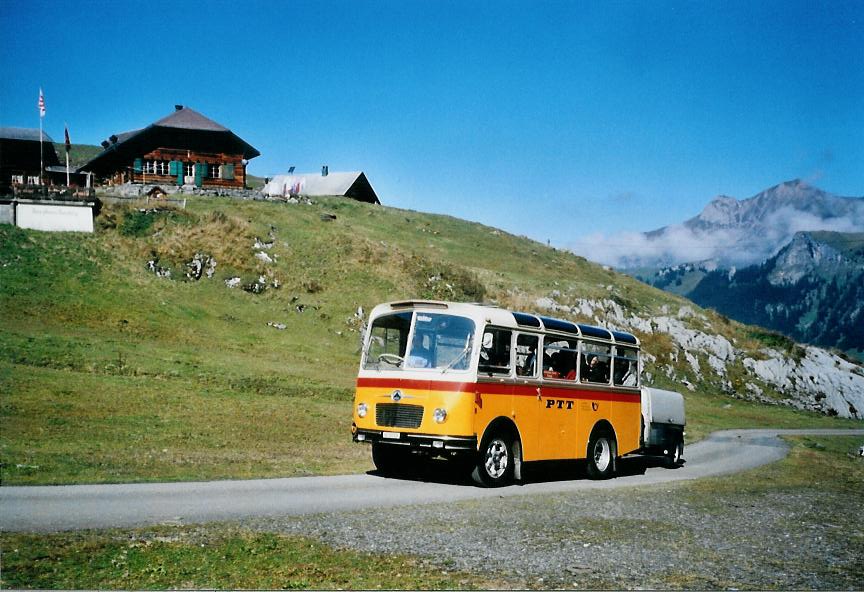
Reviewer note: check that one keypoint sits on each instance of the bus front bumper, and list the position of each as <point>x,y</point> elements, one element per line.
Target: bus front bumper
<point>425,441</point>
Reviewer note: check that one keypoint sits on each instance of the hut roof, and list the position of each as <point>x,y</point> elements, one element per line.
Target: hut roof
<point>348,184</point>
<point>23,133</point>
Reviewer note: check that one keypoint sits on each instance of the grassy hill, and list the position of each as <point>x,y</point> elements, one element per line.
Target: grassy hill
<point>109,372</point>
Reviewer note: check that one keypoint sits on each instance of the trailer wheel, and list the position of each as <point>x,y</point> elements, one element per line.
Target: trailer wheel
<point>494,463</point>
<point>675,455</point>
<point>602,450</point>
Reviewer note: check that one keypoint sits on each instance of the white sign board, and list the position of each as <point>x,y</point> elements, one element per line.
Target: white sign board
<point>55,217</point>
<point>7,213</point>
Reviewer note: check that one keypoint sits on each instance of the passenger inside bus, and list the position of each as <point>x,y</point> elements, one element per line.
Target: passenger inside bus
<point>622,369</point>
<point>568,365</point>
<point>526,355</point>
<point>495,352</point>
<point>553,370</point>
<point>548,371</point>
<point>598,370</point>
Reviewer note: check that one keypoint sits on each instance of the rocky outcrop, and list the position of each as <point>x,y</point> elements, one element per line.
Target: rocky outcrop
<point>811,379</point>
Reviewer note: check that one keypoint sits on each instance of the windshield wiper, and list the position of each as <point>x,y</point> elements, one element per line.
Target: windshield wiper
<point>459,357</point>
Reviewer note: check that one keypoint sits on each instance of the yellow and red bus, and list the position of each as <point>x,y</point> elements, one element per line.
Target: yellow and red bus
<point>495,387</point>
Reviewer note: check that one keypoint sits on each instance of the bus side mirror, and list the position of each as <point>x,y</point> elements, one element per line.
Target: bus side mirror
<point>487,341</point>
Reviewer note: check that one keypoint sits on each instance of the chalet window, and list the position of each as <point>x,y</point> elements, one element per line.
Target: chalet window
<point>18,179</point>
<point>162,167</point>
<point>190,169</point>
<point>215,171</point>
<point>228,171</point>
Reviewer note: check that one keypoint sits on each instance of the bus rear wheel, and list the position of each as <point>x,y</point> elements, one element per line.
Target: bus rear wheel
<point>495,461</point>
<point>602,450</point>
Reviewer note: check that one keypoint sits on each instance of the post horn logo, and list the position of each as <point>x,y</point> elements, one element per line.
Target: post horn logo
<point>396,396</point>
<point>595,405</point>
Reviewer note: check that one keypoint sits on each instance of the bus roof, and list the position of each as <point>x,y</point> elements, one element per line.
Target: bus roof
<point>506,318</point>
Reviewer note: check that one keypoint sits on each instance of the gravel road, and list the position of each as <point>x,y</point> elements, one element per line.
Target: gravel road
<point>655,537</point>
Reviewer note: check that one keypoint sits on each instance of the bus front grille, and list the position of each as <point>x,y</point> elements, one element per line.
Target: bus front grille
<point>394,415</point>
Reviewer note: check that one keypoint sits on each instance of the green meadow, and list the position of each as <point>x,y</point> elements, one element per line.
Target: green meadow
<point>110,373</point>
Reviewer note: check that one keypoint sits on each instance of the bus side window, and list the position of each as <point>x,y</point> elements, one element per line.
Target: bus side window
<point>595,363</point>
<point>560,358</point>
<point>495,351</point>
<point>526,355</point>
<point>625,372</point>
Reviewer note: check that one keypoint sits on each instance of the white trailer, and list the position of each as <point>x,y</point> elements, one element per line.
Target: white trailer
<point>663,424</point>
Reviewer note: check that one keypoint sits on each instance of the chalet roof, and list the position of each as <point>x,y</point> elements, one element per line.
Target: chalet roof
<point>23,133</point>
<point>184,128</point>
<point>352,184</point>
<point>187,118</point>
<point>61,168</point>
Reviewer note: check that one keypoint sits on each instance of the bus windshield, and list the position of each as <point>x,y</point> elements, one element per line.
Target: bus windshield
<point>438,341</point>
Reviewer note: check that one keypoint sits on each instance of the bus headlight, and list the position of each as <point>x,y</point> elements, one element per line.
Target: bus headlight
<point>440,415</point>
<point>362,410</point>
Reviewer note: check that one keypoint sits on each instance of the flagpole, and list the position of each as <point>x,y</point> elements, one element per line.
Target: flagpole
<point>41,160</point>
<point>41,151</point>
<point>67,146</point>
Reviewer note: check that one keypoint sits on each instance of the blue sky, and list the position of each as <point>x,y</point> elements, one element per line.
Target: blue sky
<point>556,120</point>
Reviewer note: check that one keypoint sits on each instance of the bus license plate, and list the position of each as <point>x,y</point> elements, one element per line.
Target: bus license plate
<point>390,435</point>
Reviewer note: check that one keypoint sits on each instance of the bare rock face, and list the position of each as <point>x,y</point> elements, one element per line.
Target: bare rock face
<point>814,380</point>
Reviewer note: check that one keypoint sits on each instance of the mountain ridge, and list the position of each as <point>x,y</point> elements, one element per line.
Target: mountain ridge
<point>742,232</point>
<point>811,290</point>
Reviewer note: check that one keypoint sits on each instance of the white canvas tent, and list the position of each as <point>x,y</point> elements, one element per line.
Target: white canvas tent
<point>354,185</point>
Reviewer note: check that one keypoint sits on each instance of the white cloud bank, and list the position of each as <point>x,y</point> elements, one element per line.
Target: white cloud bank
<point>728,232</point>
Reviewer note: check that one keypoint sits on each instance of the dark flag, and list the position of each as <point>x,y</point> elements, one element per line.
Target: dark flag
<point>68,142</point>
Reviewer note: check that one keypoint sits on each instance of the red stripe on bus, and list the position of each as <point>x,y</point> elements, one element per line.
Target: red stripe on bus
<point>494,388</point>
<point>414,384</point>
<point>592,395</point>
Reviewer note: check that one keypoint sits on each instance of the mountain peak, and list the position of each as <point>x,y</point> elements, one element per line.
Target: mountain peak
<point>742,232</point>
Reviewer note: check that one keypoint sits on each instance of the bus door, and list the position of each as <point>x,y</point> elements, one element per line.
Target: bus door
<point>558,406</point>
<point>527,392</point>
<point>494,395</point>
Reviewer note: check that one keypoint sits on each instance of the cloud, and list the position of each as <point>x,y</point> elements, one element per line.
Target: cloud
<point>677,244</point>
<point>729,246</point>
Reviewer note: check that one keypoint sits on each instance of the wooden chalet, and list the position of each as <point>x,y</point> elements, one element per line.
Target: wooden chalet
<point>183,148</point>
<point>20,157</point>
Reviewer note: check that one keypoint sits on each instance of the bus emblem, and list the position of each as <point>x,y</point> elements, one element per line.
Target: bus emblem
<point>396,396</point>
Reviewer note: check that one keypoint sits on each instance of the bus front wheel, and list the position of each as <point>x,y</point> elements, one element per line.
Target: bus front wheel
<point>495,461</point>
<point>601,455</point>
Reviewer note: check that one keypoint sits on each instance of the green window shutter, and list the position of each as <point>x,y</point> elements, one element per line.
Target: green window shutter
<point>179,172</point>
<point>199,174</point>
<point>137,165</point>
<point>174,167</point>
<point>228,171</point>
